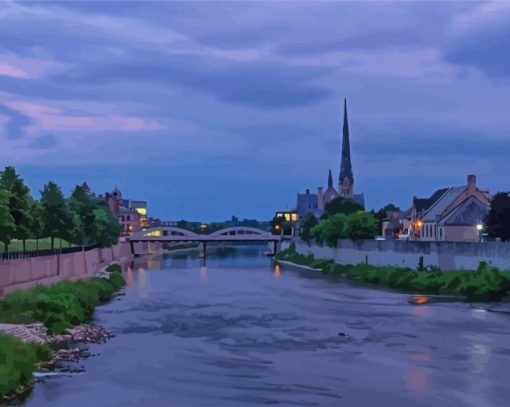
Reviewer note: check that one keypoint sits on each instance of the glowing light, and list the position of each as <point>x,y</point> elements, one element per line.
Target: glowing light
<point>141,211</point>
<point>277,227</point>
<point>277,271</point>
<point>154,233</point>
<point>479,227</point>
<point>203,226</point>
<point>294,217</point>
<point>287,217</point>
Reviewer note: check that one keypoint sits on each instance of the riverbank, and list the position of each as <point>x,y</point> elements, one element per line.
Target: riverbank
<point>485,284</point>
<point>62,308</point>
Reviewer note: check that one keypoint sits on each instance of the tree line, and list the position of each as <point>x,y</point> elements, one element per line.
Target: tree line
<point>78,219</point>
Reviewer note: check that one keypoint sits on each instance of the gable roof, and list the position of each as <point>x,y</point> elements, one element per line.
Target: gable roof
<point>438,207</point>
<point>469,213</point>
<point>423,204</point>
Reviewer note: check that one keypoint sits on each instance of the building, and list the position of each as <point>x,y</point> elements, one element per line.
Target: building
<point>397,224</point>
<point>285,223</point>
<point>309,203</point>
<point>132,215</point>
<point>451,214</point>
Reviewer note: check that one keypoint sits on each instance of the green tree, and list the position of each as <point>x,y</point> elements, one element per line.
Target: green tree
<point>341,205</point>
<point>306,228</point>
<point>106,226</point>
<point>331,229</point>
<point>7,226</point>
<point>498,219</point>
<point>83,209</point>
<point>361,225</point>
<point>57,218</point>
<point>19,203</point>
<point>36,226</point>
<point>382,213</point>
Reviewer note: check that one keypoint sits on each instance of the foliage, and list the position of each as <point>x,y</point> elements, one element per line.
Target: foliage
<point>498,219</point>
<point>361,225</point>
<point>484,284</point>
<point>331,229</point>
<point>18,361</point>
<point>58,219</point>
<point>106,226</point>
<point>341,205</point>
<point>7,225</point>
<point>19,202</point>
<point>62,305</point>
<point>306,228</point>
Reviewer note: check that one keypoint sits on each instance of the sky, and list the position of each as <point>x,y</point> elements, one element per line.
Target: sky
<point>209,109</point>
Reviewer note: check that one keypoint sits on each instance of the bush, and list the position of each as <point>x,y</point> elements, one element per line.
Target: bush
<point>62,305</point>
<point>17,362</point>
<point>484,284</point>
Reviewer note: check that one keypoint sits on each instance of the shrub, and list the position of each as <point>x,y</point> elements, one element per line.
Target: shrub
<point>17,362</point>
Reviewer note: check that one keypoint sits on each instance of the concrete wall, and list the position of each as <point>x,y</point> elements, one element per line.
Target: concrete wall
<point>26,273</point>
<point>445,255</point>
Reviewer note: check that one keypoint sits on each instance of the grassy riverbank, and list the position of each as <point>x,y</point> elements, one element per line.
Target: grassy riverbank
<point>58,307</point>
<point>62,305</point>
<point>484,284</point>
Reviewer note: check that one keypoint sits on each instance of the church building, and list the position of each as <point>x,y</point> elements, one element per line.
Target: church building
<point>310,203</point>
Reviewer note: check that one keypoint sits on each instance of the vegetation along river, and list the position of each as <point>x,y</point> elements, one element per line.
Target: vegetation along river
<point>241,331</point>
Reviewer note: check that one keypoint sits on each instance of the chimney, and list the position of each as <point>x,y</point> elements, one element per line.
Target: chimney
<point>471,184</point>
<point>320,198</point>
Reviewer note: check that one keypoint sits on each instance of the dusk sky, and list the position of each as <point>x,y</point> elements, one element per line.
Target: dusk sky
<point>211,109</point>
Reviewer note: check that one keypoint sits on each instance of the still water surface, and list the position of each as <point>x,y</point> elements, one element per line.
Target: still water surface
<point>242,332</point>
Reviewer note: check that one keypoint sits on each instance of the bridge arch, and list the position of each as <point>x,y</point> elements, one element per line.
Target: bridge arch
<point>240,231</point>
<point>162,232</point>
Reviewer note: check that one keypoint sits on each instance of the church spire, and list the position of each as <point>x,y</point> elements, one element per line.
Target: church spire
<point>345,165</point>
<point>330,180</point>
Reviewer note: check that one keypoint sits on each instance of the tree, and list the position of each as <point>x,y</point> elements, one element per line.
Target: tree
<point>83,208</point>
<point>19,203</point>
<point>341,205</point>
<point>7,225</point>
<point>331,229</point>
<point>36,226</point>
<point>498,219</point>
<point>381,214</point>
<point>57,218</point>
<point>106,226</point>
<point>306,228</point>
<point>361,225</point>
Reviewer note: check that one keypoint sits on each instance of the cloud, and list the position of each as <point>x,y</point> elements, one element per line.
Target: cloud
<point>34,117</point>
<point>44,142</point>
<point>13,122</point>
<point>480,38</point>
<point>16,66</point>
<point>263,86</point>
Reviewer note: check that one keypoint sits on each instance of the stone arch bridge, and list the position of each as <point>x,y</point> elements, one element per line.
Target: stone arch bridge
<point>231,234</point>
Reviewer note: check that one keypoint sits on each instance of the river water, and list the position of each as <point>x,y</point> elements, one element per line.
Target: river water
<point>243,332</point>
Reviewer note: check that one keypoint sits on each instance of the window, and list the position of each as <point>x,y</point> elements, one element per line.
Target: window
<point>128,217</point>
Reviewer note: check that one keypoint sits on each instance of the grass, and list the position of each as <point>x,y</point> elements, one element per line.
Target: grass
<point>62,305</point>
<point>483,284</point>
<point>18,361</point>
<point>31,244</point>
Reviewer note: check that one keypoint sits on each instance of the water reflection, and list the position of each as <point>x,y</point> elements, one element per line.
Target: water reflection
<point>277,271</point>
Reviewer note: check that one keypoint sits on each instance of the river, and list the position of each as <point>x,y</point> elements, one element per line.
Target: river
<point>244,332</point>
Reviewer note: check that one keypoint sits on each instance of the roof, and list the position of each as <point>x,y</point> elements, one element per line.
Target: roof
<point>469,213</point>
<point>85,186</point>
<point>330,194</point>
<point>422,204</point>
<point>438,207</point>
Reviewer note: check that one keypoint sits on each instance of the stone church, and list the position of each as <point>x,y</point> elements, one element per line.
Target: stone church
<point>310,203</point>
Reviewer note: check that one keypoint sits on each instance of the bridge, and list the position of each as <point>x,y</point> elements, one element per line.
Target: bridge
<point>231,234</point>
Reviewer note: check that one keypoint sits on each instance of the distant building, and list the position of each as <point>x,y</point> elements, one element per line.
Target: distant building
<point>397,224</point>
<point>451,214</point>
<point>132,215</point>
<point>309,203</point>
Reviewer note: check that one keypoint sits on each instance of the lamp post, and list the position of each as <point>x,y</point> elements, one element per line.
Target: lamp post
<point>479,228</point>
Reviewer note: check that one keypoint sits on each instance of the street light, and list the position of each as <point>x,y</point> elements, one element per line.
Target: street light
<point>479,228</point>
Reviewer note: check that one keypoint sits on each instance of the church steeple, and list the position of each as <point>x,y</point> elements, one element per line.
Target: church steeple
<point>346,179</point>
<point>330,180</point>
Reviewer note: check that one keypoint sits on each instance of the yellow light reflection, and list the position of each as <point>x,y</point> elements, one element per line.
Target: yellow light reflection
<point>277,271</point>
<point>129,278</point>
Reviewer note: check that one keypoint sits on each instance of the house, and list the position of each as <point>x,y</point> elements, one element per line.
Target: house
<point>451,214</point>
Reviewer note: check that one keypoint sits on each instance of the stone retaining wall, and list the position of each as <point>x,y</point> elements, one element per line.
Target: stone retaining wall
<point>26,273</point>
<point>445,255</point>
